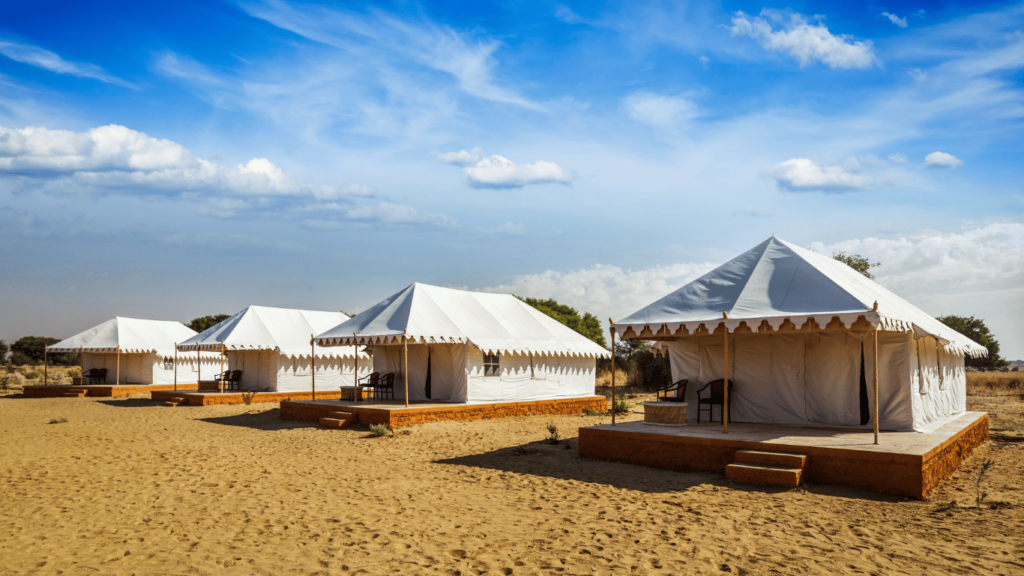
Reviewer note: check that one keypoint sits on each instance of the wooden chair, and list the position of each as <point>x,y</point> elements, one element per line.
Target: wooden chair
<point>95,375</point>
<point>673,392</point>
<point>716,397</point>
<point>369,381</point>
<point>221,377</point>
<point>385,387</point>
<point>234,379</point>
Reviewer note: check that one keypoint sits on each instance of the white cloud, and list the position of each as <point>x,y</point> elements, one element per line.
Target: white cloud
<point>918,75</point>
<point>605,290</point>
<point>116,159</point>
<point>500,172</point>
<point>460,158</point>
<point>803,41</point>
<point>802,174</point>
<point>704,61</point>
<point>658,110</point>
<point>897,158</point>
<point>40,58</point>
<point>901,22</point>
<point>942,160</point>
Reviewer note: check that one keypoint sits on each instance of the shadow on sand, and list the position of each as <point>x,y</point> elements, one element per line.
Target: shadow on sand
<point>269,421</point>
<point>557,462</point>
<point>130,402</point>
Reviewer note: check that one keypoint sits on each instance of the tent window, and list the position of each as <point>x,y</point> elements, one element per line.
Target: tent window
<point>168,363</point>
<point>491,366</point>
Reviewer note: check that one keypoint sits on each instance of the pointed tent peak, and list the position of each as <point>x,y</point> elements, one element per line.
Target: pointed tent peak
<point>432,314</point>
<point>775,281</point>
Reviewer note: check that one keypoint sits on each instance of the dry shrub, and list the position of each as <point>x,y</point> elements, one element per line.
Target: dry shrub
<point>604,377</point>
<point>33,374</point>
<point>999,383</point>
<point>74,372</point>
<point>12,381</point>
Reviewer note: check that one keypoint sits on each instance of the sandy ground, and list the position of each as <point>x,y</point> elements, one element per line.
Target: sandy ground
<point>129,487</point>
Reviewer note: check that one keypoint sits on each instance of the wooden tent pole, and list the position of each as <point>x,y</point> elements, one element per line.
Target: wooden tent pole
<point>199,369</point>
<point>45,375</point>
<point>221,385</point>
<point>175,366</point>
<point>405,370</point>
<point>874,376</point>
<point>117,381</point>
<point>81,364</point>
<point>612,330</point>
<point>312,363</point>
<point>725,406</point>
<point>355,381</point>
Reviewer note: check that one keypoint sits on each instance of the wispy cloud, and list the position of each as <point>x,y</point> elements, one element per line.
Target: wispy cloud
<point>901,22</point>
<point>660,111</point>
<point>41,58</point>
<point>466,58</point>
<point>942,160</point>
<point>802,174</point>
<point>807,43</point>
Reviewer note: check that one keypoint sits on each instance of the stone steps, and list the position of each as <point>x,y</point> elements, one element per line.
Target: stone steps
<point>74,393</point>
<point>767,468</point>
<point>339,420</point>
<point>176,401</point>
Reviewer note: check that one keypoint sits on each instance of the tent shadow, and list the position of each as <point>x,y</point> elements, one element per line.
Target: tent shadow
<point>128,402</point>
<point>558,463</point>
<point>270,420</point>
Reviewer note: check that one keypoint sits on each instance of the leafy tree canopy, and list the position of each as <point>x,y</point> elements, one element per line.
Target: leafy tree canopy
<point>3,349</point>
<point>975,329</point>
<point>588,325</point>
<point>627,348</point>
<point>31,349</point>
<point>857,262</point>
<point>204,322</point>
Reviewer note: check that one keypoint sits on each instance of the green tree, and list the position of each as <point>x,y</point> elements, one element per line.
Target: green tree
<point>202,323</point>
<point>3,350</point>
<point>628,348</point>
<point>857,262</point>
<point>975,329</point>
<point>31,349</point>
<point>588,325</point>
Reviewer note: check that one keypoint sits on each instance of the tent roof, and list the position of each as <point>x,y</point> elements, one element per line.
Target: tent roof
<point>131,335</point>
<point>776,281</point>
<point>284,330</point>
<point>492,322</point>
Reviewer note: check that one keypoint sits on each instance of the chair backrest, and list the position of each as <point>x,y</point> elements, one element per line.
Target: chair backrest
<point>235,375</point>
<point>388,380</point>
<point>102,373</point>
<point>718,390</point>
<point>373,378</point>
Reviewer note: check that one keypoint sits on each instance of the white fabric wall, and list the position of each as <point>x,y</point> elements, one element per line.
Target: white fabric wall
<point>295,374</point>
<point>814,379</point>
<point>135,368</point>
<point>935,398</point>
<point>259,368</point>
<point>458,374</point>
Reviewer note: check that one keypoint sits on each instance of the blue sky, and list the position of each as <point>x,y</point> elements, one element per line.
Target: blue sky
<point>170,161</point>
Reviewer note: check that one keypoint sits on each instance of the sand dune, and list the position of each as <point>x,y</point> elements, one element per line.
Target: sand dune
<point>130,487</point>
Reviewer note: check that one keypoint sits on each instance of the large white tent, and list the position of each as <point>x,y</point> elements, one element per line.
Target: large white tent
<point>801,330</point>
<point>136,351</point>
<point>473,347</point>
<point>271,346</point>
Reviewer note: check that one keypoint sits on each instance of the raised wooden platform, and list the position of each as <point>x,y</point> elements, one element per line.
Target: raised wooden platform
<point>99,390</point>
<point>211,397</point>
<point>903,463</point>
<point>394,414</point>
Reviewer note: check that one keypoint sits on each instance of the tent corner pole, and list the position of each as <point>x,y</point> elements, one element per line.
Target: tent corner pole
<point>312,363</point>
<point>355,378</point>
<point>45,376</point>
<point>874,376</point>
<point>175,366</point>
<point>405,365</point>
<point>221,383</point>
<point>611,329</point>
<point>725,404</point>
<point>117,380</point>
<point>199,369</point>
<point>81,364</point>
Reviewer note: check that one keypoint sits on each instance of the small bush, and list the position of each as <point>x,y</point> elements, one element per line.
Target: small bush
<point>74,372</point>
<point>58,421</point>
<point>378,430</point>
<point>981,494</point>
<point>12,381</point>
<point>247,396</point>
<point>592,412</point>
<point>33,374</point>
<point>620,406</point>
<point>552,434</point>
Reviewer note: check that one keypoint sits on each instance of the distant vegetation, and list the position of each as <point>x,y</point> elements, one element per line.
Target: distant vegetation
<point>588,325</point>
<point>30,350</point>
<point>857,262</point>
<point>204,322</point>
<point>975,329</point>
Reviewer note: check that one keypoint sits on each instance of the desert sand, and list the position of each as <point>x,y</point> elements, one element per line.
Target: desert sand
<point>127,486</point>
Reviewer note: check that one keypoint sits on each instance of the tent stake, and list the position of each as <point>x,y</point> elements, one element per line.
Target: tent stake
<point>405,362</point>
<point>874,376</point>
<point>175,366</point>
<point>612,330</point>
<point>117,381</point>
<point>45,378</point>
<point>312,363</point>
<point>725,406</point>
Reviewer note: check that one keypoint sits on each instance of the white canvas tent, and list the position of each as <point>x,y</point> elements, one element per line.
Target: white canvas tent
<point>799,326</point>
<point>473,347</point>
<point>271,346</point>
<point>136,351</point>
